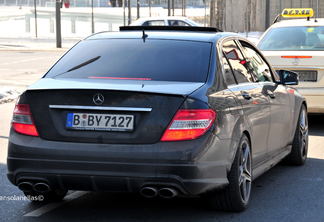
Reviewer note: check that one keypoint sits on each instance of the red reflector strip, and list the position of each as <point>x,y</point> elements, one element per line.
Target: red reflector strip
<point>122,78</point>
<point>188,134</point>
<point>296,57</point>
<point>26,129</point>
<point>189,124</point>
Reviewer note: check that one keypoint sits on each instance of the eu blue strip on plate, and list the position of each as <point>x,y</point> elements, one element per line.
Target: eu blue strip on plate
<point>69,120</point>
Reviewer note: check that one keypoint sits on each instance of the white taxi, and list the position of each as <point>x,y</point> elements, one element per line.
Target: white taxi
<point>165,21</point>
<point>298,45</point>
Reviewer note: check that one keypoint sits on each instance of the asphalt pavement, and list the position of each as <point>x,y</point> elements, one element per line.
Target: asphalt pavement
<point>284,193</point>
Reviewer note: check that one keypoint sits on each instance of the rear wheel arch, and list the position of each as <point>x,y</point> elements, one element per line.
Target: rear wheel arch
<point>236,195</point>
<point>248,136</point>
<point>298,153</point>
<point>244,133</point>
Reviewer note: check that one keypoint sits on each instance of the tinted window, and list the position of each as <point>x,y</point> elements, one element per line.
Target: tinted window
<point>229,77</point>
<point>237,62</point>
<point>160,60</point>
<point>310,38</point>
<point>177,23</point>
<point>256,65</point>
<point>154,23</point>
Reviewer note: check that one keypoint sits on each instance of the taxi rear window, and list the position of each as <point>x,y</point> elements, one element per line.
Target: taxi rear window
<point>136,59</point>
<point>303,38</point>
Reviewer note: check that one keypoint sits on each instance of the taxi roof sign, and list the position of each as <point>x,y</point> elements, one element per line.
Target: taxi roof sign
<point>297,12</point>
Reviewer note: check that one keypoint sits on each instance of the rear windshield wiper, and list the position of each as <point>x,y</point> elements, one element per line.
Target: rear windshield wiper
<point>80,65</point>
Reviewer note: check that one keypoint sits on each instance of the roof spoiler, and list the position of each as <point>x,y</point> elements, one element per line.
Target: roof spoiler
<point>169,28</point>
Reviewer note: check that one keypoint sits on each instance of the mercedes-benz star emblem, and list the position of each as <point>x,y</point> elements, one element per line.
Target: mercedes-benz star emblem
<point>98,99</point>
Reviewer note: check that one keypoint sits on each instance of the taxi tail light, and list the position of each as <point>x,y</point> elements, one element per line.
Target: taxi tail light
<point>189,124</point>
<point>22,121</point>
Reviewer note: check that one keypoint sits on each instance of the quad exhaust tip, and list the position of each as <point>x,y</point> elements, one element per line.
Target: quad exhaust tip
<point>168,193</point>
<point>149,192</point>
<point>41,187</point>
<point>25,186</point>
<point>38,187</point>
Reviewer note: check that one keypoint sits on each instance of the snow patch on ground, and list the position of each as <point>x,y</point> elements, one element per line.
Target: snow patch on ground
<point>8,95</point>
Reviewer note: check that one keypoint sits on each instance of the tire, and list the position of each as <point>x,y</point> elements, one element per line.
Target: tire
<point>236,196</point>
<point>51,196</point>
<point>298,154</point>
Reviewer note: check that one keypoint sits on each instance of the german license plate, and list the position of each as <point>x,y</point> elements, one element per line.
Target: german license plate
<point>100,122</point>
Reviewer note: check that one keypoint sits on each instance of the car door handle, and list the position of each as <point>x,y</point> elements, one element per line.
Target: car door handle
<point>271,94</point>
<point>246,95</point>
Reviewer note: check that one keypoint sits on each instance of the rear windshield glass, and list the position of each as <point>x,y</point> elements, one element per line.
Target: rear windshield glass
<point>310,38</point>
<point>158,60</point>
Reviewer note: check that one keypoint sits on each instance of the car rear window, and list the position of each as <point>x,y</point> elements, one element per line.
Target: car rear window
<point>303,38</point>
<point>135,59</point>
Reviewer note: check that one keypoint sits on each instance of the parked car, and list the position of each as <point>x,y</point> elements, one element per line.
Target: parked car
<point>165,21</point>
<point>162,112</point>
<point>298,45</point>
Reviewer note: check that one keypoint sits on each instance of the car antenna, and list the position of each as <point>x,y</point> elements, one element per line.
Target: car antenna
<point>144,36</point>
<point>276,19</point>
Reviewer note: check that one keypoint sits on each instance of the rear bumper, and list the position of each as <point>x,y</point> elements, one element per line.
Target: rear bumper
<point>314,98</point>
<point>119,168</point>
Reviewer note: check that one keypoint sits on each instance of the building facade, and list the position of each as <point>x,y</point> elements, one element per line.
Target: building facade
<point>256,15</point>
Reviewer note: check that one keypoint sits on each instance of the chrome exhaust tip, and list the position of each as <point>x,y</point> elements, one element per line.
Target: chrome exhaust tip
<point>149,192</point>
<point>168,193</point>
<point>25,186</point>
<point>41,187</point>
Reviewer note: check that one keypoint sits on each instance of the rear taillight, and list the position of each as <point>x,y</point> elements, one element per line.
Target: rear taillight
<point>22,121</point>
<point>189,124</point>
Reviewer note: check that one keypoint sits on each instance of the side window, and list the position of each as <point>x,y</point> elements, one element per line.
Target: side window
<point>256,65</point>
<point>177,23</point>
<point>154,23</point>
<point>237,62</point>
<point>228,75</point>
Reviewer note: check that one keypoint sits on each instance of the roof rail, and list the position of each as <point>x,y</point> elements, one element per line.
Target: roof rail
<point>169,28</point>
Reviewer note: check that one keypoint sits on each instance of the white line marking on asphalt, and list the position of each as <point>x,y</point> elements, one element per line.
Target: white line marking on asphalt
<point>51,206</point>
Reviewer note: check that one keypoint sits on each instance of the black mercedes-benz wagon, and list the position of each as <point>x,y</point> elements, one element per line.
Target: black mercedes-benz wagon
<point>162,111</point>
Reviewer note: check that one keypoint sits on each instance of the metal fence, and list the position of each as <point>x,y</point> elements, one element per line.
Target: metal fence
<point>51,3</point>
<point>104,3</point>
<point>19,19</point>
<point>229,15</point>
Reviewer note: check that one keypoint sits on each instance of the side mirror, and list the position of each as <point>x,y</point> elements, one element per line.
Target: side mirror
<point>288,77</point>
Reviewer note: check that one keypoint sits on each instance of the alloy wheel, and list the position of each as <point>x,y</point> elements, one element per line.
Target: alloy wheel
<point>245,175</point>
<point>303,130</point>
